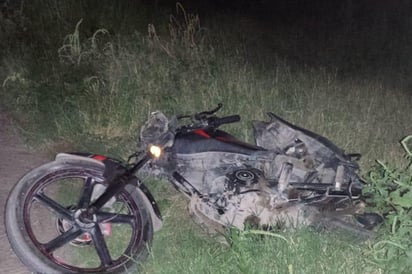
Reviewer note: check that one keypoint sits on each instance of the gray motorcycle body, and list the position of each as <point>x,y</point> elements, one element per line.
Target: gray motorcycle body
<point>286,177</point>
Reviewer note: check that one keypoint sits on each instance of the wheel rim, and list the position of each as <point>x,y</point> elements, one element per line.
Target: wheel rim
<point>53,199</point>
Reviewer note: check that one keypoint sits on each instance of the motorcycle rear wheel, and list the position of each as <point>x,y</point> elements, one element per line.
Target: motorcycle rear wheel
<point>45,231</point>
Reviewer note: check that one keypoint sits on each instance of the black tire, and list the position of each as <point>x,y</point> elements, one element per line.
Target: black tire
<point>46,235</point>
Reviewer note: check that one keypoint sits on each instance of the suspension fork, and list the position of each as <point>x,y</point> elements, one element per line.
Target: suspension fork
<point>115,185</point>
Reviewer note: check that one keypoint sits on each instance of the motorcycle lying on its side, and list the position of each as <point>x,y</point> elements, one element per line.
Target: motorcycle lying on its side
<point>88,213</point>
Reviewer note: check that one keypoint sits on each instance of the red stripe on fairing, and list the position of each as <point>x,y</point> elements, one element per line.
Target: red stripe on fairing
<point>202,133</point>
<point>99,157</point>
<point>220,138</point>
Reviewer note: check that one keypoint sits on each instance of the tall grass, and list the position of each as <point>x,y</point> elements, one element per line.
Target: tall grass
<point>87,74</point>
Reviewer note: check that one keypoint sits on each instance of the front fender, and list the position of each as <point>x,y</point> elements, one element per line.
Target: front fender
<point>76,157</point>
<point>110,166</point>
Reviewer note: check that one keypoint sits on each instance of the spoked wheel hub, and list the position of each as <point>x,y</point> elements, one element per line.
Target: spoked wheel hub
<point>84,219</point>
<point>82,223</point>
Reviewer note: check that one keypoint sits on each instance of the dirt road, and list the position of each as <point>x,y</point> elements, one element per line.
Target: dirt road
<point>15,160</point>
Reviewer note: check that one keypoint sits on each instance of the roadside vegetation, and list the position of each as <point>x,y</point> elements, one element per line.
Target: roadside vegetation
<point>84,75</point>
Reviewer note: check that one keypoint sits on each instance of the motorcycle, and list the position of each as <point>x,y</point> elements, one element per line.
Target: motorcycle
<point>290,177</point>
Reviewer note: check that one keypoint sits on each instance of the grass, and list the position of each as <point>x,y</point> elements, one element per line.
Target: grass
<point>86,74</point>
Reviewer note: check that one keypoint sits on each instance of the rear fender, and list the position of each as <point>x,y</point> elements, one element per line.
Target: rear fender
<point>110,167</point>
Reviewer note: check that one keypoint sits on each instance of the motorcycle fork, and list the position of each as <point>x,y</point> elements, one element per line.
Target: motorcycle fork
<point>116,185</point>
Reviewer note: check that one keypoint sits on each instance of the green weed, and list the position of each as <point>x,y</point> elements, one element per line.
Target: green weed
<point>391,190</point>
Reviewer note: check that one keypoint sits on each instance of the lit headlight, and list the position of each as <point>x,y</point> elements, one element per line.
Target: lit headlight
<point>156,151</point>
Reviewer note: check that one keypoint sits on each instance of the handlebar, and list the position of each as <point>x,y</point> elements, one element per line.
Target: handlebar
<point>225,120</point>
<point>207,119</point>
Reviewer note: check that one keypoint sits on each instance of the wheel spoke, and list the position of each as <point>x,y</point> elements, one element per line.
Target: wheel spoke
<point>100,246</point>
<point>53,206</point>
<point>62,239</point>
<point>114,218</point>
<point>84,200</point>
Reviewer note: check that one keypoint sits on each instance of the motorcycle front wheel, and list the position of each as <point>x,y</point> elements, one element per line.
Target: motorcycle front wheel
<point>46,229</point>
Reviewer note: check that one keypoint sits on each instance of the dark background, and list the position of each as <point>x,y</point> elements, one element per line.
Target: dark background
<point>368,37</point>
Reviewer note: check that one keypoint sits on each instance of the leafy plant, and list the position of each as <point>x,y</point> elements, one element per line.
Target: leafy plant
<point>391,189</point>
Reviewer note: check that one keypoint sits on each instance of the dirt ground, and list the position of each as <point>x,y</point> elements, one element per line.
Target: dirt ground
<point>15,161</point>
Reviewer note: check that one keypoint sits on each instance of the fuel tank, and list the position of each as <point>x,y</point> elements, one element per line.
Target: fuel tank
<point>211,141</point>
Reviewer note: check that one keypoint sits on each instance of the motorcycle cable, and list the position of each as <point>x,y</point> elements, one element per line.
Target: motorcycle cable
<point>205,114</point>
<point>200,115</point>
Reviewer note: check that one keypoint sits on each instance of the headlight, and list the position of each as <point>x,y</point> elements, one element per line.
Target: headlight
<point>156,151</point>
